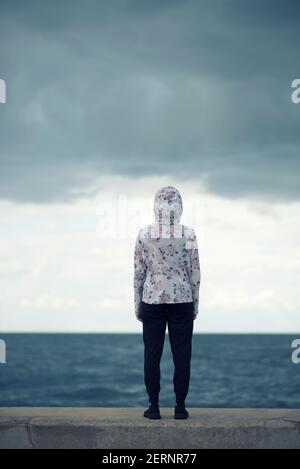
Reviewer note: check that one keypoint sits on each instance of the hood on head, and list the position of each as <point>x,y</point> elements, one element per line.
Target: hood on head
<point>167,205</point>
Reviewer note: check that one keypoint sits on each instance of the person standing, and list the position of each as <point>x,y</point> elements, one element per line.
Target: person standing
<point>166,293</point>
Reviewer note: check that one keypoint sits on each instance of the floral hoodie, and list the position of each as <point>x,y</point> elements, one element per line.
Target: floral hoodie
<point>166,259</point>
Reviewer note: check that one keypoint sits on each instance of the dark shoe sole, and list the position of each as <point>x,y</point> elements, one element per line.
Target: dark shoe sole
<point>181,415</point>
<point>153,416</point>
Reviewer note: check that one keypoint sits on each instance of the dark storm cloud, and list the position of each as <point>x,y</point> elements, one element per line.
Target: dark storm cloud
<point>193,89</point>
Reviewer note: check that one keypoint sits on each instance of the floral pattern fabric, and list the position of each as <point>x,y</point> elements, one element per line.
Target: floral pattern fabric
<point>166,258</point>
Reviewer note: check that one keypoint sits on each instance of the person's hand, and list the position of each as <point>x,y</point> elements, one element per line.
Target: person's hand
<point>194,317</point>
<point>139,318</point>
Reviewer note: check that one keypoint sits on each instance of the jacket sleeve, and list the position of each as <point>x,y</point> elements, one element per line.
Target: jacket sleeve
<point>195,272</point>
<point>139,274</point>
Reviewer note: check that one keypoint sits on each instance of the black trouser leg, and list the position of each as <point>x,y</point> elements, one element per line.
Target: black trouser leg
<point>180,327</point>
<point>154,329</point>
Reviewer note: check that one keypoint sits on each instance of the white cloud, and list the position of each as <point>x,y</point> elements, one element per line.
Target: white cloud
<point>58,275</point>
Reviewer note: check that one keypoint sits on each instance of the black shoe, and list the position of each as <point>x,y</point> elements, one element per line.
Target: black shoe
<point>152,412</point>
<point>180,412</point>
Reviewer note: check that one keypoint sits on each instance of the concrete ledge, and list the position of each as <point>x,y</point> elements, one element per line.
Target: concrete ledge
<point>126,428</point>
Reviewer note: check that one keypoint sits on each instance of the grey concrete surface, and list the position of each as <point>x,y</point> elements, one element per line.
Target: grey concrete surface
<point>127,428</point>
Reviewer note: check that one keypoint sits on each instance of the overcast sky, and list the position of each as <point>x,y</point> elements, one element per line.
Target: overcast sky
<point>106,102</point>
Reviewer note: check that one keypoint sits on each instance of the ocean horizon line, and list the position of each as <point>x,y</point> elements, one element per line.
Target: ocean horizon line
<point>138,333</point>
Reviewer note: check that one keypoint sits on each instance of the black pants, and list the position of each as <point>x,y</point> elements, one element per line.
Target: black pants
<point>179,317</point>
